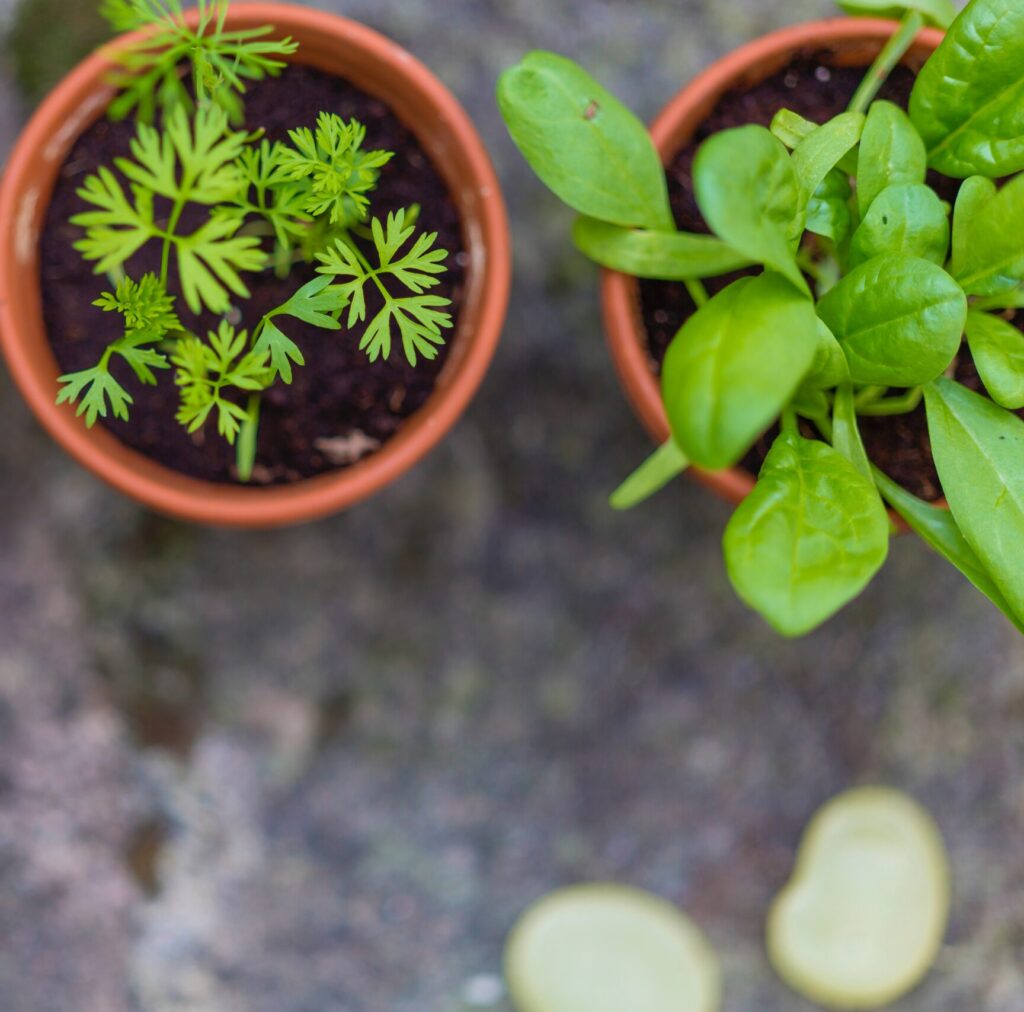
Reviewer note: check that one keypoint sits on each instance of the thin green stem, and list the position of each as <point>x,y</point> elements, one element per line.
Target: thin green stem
<point>868,396</point>
<point>894,51</point>
<point>172,224</point>
<point>901,405</point>
<point>697,291</point>
<point>789,423</point>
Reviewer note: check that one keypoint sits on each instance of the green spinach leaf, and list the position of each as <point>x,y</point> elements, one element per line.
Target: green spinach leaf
<point>899,319</point>
<point>808,539</point>
<point>997,347</point>
<point>734,365</point>
<point>908,218</point>
<point>589,149</point>
<point>891,152</point>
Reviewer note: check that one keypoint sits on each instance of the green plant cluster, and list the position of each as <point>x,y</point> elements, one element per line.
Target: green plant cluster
<point>251,206</point>
<point>870,285</point>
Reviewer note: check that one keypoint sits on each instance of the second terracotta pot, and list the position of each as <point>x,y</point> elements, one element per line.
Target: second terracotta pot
<point>842,42</point>
<point>380,68</point>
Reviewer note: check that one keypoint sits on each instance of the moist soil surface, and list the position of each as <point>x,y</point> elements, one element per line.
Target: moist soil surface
<point>340,406</point>
<point>814,89</point>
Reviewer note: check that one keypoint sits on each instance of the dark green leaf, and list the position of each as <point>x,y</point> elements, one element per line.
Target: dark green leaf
<point>891,152</point>
<point>667,256</point>
<point>908,218</point>
<point>997,347</point>
<point>978,448</point>
<point>750,196</point>
<point>899,319</point>
<point>734,365</point>
<point>968,101</point>
<point>586,146</point>
<point>808,539</point>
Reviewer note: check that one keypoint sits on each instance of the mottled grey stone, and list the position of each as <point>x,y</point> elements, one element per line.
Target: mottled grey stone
<point>323,770</point>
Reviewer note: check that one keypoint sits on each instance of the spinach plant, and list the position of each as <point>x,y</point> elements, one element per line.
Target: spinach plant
<point>869,286</point>
<point>224,206</point>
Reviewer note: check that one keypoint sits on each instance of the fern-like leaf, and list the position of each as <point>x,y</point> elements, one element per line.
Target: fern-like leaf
<point>419,317</point>
<point>145,305</point>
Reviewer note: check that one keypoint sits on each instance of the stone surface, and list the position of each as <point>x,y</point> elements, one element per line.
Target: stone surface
<point>325,769</point>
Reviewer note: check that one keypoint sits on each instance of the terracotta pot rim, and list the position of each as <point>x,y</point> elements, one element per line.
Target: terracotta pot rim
<point>626,336</point>
<point>77,101</point>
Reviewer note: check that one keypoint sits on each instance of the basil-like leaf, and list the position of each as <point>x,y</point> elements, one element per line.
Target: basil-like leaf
<point>997,347</point>
<point>734,365</point>
<point>808,539</point>
<point>938,529</point>
<point>968,100</point>
<point>666,256</point>
<point>939,12</point>
<point>585,145</point>
<point>815,157</point>
<point>991,251</point>
<point>846,433</point>
<point>828,211</point>
<point>749,194</point>
<point>891,153</point>
<point>666,463</point>
<point>908,219</point>
<point>971,199</point>
<point>978,447</point>
<point>899,319</point>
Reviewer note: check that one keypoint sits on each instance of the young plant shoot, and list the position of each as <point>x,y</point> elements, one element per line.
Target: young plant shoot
<point>223,206</point>
<point>869,285</point>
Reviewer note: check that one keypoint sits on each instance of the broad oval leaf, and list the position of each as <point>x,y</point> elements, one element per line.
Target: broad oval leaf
<point>997,347</point>
<point>808,539</point>
<point>828,211</point>
<point>971,200</point>
<point>749,194</point>
<point>666,256</point>
<point>734,365</point>
<point>938,529</point>
<point>829,368</point>
<point>939,12</point>
<point>908,219</point>
<point>899,320</point>
<point>891,152</point>
<point>968,100</point>
<point>978,448</point>
<point>585,145</point>
<point>991,257</point>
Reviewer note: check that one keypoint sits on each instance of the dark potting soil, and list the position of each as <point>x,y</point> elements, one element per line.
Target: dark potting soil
<point>340,406</point>
<point>817,91</point>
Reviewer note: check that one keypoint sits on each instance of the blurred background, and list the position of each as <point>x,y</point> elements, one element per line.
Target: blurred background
<point>323,770</point>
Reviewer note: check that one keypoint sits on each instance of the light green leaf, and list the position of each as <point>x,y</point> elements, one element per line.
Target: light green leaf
<point>585,145</point>
<point>667,256</point>
<point>991,251</point>
<point>938,529</point>
<point>907,218</point>
<point>971,199</point>
<point>816,156</point>
<point>666,463</point>
<point>891,152</point>
<point>978,447</point>
<point>210,263</point>
<point>997,347</point>
<point>968,101</point>
<point>734,365</point>
<point>899,319</point>
<point>829,368</point>
<point>808,539</point>
<point>280,348</point>
<point>828,211</point>
<point>750,196</point>
<point>939,12</point>
<point>846,433</point>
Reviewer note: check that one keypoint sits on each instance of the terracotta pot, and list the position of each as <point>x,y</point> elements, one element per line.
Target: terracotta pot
<point>379,67</point>
<point>853,42</point>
